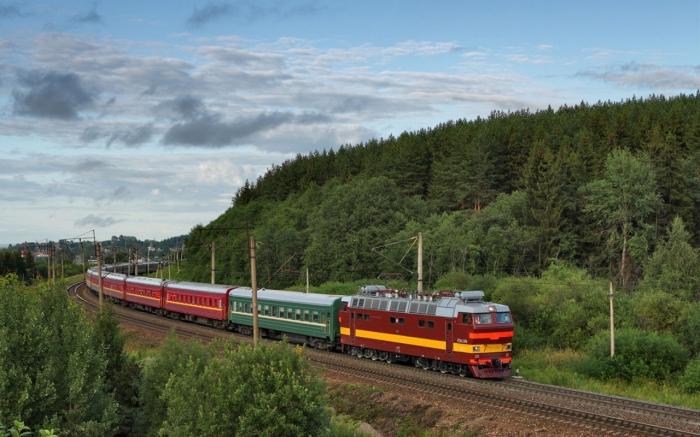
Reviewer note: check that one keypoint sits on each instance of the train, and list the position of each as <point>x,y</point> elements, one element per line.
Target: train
<point>451,331</point>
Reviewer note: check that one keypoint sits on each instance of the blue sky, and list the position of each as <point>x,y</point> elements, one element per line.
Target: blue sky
<point>143,118</point>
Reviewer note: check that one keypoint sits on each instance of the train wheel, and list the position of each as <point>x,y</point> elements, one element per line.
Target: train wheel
<point>384,356</point>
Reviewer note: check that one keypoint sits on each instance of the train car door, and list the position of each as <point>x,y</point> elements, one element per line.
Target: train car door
<point>449,330</point>
<point>352,324</point>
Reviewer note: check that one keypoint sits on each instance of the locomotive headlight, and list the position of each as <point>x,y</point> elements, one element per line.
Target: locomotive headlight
<point>476,348</point>
<point>509,346</point>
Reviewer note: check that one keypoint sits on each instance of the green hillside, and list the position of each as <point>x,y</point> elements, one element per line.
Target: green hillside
<point>594,185</point>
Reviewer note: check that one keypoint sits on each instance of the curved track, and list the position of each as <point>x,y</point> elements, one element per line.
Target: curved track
<point>590,411</point>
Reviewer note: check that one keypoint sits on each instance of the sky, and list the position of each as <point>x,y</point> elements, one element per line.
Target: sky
<point>144,118</point>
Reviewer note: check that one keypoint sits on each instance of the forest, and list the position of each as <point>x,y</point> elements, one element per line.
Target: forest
<point>596,186</point>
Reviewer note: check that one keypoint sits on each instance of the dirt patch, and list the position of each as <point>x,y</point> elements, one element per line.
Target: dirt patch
<point>395,412</point>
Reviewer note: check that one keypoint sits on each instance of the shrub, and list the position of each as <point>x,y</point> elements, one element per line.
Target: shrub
<point>637,354</point>
<point>268,391</point>
<point>690,381</point>
<point>51,372</point>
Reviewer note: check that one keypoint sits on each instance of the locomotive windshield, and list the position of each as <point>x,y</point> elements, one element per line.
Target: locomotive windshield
<point>482,319</point>
<point>503,318</point>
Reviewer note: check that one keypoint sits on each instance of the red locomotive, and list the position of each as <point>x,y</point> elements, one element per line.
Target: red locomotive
<point>456,333</point>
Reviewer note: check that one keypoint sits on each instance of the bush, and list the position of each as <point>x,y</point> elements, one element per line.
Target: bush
<point>51,372</point>
<point>264,391</point>
<point>637,354</point>
<point>690,381</point>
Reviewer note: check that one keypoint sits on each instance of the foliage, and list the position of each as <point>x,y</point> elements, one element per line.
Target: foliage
<point>563,367</point>
<point>12,261</point>
<point>122,371</point>
<point>563,308</point>
<point>638,354</point>
<point>621,203</point>
<point>51,373</point>
<point>264,391</point>
<point>675,264</point>
<point>19,429</point>
<point>690,380</point>
<point>171,359</point>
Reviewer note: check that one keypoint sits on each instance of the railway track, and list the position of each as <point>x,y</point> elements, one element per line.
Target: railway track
<point>590,411</point>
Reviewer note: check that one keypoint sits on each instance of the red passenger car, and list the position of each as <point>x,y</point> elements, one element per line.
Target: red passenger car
<point>459,334</point>
<point>197,302</point>
<point>114,285</point>
<point>144,293</point>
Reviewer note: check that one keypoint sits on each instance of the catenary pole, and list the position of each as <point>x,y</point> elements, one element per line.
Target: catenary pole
<point>136,261</point>
<point>420,263</point>
<point>213,262</point>
<point>612,320</point>
<point>98,249</point>
<point>254,289</point>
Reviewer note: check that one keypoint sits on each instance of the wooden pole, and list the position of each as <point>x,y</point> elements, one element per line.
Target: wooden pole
<point>82,251</point>
<point>213,262</point>
<point>48,263</point>
<point>612,321</point>
<point>254,289</point>
<point>98,249</point>
<point>420,263</point>
<point>53,263</point>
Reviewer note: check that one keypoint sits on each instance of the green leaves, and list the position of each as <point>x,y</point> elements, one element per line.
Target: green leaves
<point>268,391</point>
<point>50,372</point>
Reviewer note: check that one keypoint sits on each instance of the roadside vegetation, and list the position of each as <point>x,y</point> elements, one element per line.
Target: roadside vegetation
<point>62,374</point>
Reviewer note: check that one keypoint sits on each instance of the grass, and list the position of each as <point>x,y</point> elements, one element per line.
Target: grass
<point>560,367</point>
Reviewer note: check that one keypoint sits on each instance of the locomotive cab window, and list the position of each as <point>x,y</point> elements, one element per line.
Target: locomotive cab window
<point>503,318</point>
<point>482,319</point>
<point>467,319</point>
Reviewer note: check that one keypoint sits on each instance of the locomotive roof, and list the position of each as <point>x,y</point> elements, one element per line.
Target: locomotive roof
<point>143,280</point>
<point>288,296</point>
<point>199,286</point>
<point>112,275</point>
<point>444,307</point>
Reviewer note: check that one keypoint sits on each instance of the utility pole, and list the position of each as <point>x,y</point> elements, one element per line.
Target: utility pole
<point>114,258</point>
<point>62,276</point>
<point>128,261</point>
<point>420,263</point>
<point>136,261</point>
<point>254,289</point>
<point>307,279</point>
<point>53,266</point>
<point>170,256</point>
<point>612,321</point>
<point>213,262</point>
<point>98,249</point>
<point>148,260</point>
<point>82,252</point>
<point>48,263</point>
<point>178,254</point>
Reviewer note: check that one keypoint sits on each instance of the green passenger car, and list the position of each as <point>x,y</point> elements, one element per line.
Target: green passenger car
<point>301,317</point>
